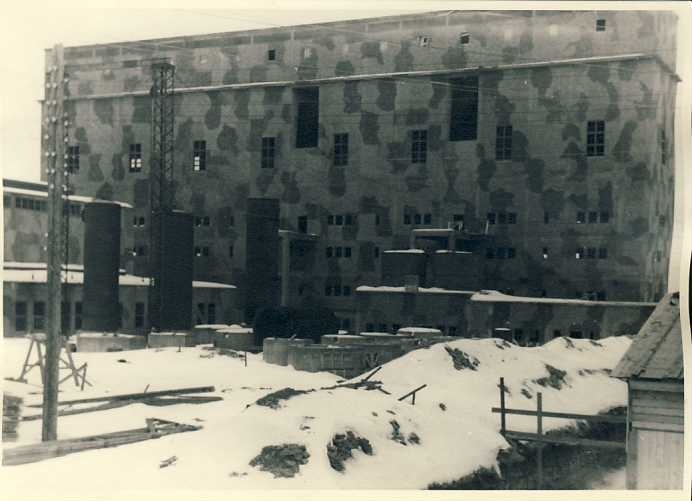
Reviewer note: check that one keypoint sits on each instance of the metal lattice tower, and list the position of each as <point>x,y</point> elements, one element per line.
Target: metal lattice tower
<point>160,178</point>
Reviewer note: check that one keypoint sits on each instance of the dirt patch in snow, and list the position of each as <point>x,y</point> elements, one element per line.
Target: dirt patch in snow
<point>502,344</point>
<point>341,447</point>
<point>462,360</point>
<point>398,436</point>
<point>554,379</point>
<point>281,460</point>
<point>274,399</point>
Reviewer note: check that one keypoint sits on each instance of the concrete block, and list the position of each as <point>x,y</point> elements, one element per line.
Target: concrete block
<point>234,338</point>
<point>204,334</point>
<point>101,341</point>
<point>174,339</point>
<point>275,350</point>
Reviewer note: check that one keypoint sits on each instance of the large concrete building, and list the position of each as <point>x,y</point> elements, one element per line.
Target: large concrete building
<point>544,137</point>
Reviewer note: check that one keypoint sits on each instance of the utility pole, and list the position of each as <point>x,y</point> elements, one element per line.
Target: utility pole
<point>55,166</point>
<point>161,194</point>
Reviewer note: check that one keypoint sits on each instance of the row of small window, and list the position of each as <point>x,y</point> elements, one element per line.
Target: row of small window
<point>417,218</point>
<point>595,140</point>
<point>199,251</point>
<point>341,219</point>
<point>581,253</point>
<point>338,252</point>
<point>21,316</point>
<point>337,290</point>
<point>394,328</point>
<point>205,313</point>
<point>38,205</point>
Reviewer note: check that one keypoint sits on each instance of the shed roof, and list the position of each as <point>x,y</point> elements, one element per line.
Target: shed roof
<point>656,352</point>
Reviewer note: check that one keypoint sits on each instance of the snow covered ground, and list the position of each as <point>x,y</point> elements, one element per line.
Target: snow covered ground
<point>457,432</point>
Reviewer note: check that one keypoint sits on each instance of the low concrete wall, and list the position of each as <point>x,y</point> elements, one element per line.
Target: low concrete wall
<point>344,339</point>
<point>234,339</point>
<point>275,350</point>
<point>204,334</point>
<point>347,361</point>
<point>97,342</point>
<point>175,339</point>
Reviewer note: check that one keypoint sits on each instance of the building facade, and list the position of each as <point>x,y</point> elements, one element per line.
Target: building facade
<point>549,132</point>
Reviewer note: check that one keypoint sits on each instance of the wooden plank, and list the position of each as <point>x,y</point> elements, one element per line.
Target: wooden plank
<point>655,418</point>
<point>585,442</point>
<point>656,411</point>
<point>657,396</point>
<point>71,412</point>
<point>638,384</point>
<point>604,418</point>
<point>135,396</point>
<point>45,450</point>
<point>650,425</point>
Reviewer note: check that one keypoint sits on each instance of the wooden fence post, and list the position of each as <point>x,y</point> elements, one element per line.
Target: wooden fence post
<point>502,406</point>
<point>539,431</point>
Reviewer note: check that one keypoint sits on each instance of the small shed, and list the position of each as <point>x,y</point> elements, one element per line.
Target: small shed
<point>653,368</point>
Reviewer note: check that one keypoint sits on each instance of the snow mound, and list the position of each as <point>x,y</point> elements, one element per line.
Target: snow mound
<point>449,433</point>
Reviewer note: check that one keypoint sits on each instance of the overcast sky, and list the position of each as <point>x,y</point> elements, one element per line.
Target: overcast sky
<point>26,30</point>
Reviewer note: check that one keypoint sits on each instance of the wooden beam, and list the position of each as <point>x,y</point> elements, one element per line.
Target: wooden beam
<point>604,418</point>
<point>56,448</point>
<point>135,396</point>
<point>547,439</point>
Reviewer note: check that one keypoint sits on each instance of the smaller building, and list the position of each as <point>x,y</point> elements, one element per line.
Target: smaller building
<point>653,367</point>
<point>25,302</point>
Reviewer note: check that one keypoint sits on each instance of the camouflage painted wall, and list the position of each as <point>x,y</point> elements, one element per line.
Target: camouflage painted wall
<point>547,106</point>
<point>479,319</point>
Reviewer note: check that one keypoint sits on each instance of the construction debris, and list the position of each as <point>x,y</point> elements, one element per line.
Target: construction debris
<point>555,378</point>
<point>341,447</point>
<point>11,411</point>
<point>462,360</point>
<point>155,428</point>
<point>135,396</point>
<point>272,399</point>
<point>167,462</point>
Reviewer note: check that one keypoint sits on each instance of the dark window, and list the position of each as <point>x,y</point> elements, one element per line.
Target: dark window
<point>65,316</point>
<point>139,315</point>
<point>307,118</point>
<point>6,201</point>
<point>377,219</point>
<point>337,290</point>
<point>303,224</point>
<point>546,217</point>
<point>201,313</point>
<point>602,253</point>
<point>595,138</point>
<point>501,252</point>
<point>339,220</point>
<point>347,290</point>
<point>230,251</point>
<point>202,221</point>
<point>545,253</point>
<point>271,55</point>
<point>463,123</point>
<point>73,158</point>
<point>330,220</point>
<point>377,252</point>
<point>383,328</point>
<point>347,252</point>
<point>591,252</point>
<point>135,157</point>
<point>202,251</point>
<point>512,218</point>
<point>340,149</point>
<point>330,252</point>
<point>407,218</point>
<point>369,327</point>
<point>491,217</point>
<point>211,313</point>
<point>18,203</point>
<point>575,334</point>
<point>502,218</point>
<point>593,216</point>
<point>138,221</point>
<point>268,152</point>
<point>78,315</point>
<point>419,146</point>
<point>427,219</point>
<point>338,251</point>
<point>199,156</point>
<point>579,253</point>
<point>557,333</point>
<point>395,328</point>
<point>581,217</point>
<point>601,25</point>
<point>664,147</point>
<point>464,38</point>
<point>511,253</point>
<point>39,315</point>
<point>348,219</point>
<point>503,143</point>
<point>605,217</point>
<point>423,40</point>
<point>328,290</point>
<point>601,296</point>
<point>489,253</point>
<point>417,219</point>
